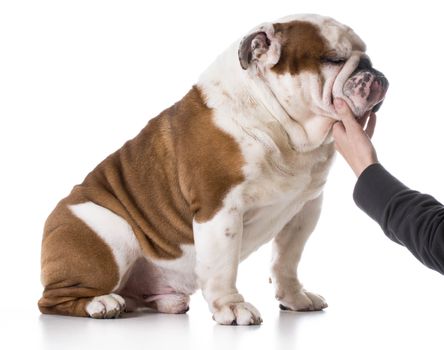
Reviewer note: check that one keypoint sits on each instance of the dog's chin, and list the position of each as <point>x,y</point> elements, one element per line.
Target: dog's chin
<point>359,108</point>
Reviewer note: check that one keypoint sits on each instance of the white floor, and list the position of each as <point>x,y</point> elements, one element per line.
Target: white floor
<point>390,323</point>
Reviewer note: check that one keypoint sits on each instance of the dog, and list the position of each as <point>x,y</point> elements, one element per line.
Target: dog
<point>240,161</point>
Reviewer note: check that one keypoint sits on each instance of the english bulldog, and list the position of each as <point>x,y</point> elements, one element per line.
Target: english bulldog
<point>239,161</point>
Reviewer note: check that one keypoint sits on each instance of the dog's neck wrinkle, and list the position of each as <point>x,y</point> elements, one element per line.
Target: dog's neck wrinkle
<point>309,130</point>
<point>245,92</point>
<point>283,111</point>
<point>295,129</point>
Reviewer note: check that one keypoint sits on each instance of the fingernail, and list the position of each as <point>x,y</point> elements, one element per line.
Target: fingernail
<point>339,103</point>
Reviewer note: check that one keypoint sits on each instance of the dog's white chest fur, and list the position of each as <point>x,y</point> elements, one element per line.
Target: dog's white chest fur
<point>278,189</point>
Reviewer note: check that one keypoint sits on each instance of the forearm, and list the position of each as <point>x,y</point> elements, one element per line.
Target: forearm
<point>407,217</point>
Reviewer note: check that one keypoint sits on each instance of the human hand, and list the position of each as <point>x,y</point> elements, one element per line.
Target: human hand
<point>351,140</point>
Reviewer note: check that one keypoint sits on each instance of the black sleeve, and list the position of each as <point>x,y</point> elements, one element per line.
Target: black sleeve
<point>408,217</point>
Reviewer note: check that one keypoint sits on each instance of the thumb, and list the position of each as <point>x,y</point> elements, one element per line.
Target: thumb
<point>338,131</point>
<point>344,112</point>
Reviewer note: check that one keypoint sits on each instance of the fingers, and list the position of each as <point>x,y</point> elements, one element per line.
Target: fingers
<point>370,129</point>
<point>363,120</point>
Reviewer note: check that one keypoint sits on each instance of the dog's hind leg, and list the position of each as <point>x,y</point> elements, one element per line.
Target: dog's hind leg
<point>86,251</point>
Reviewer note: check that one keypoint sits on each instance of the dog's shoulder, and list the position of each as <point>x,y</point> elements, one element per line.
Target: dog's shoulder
<point>209,159</point>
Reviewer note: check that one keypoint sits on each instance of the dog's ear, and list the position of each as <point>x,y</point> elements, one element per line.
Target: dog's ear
<point>260,46</point>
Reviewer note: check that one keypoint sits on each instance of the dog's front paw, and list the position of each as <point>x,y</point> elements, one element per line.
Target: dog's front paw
<point>242,314</point>
<point>302,301</point>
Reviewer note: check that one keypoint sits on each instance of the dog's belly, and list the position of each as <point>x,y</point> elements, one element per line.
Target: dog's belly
<point>149,278</point>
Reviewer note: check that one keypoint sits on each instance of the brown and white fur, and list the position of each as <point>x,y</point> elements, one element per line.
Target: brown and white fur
<point>240,161</point>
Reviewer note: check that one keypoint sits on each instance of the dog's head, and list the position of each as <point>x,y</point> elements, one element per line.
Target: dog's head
<point>308,60</point>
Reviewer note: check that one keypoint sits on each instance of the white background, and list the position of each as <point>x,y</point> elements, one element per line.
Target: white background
<point>79,78</point>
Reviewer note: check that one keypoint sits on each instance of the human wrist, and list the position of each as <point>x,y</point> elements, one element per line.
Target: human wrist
<point>360,168</point>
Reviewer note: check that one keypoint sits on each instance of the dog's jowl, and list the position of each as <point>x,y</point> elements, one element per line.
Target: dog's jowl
<point>240,161</point>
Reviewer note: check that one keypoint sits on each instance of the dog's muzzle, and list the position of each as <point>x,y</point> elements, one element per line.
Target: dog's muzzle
<point>365,88</point>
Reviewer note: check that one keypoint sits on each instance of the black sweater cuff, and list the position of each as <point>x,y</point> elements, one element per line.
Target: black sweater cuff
<point>374,189</point>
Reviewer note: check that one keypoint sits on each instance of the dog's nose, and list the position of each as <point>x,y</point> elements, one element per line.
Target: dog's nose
<point>364,64</point>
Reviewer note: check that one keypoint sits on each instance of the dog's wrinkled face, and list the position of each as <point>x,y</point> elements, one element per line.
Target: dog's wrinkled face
<point>308,60</point>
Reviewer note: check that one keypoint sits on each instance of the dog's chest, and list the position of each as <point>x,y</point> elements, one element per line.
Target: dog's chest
<point>277,189</point>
